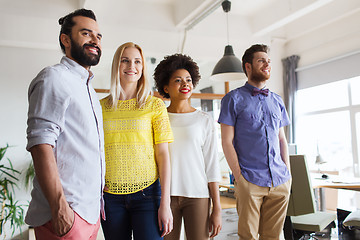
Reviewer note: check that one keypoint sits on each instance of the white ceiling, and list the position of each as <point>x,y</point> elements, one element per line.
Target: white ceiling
<point>159,26</point>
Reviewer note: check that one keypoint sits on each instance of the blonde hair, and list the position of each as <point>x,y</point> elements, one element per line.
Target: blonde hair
<point>116,91</point>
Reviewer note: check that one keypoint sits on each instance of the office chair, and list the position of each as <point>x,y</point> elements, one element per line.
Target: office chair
<point>306,221</point>
<point>353,220</point>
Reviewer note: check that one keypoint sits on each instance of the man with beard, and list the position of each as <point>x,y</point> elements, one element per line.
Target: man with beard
<point>65,137</point>
<point>253,139</point>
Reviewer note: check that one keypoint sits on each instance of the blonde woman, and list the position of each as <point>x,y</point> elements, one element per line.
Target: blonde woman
<point>137,132</point>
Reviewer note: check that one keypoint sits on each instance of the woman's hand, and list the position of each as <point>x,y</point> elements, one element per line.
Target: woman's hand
<point>215,217</point>
<point>165,219</point>
<point>215,223</point>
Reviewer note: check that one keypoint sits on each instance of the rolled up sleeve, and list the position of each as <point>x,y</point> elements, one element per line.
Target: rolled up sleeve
<point>48,101</point>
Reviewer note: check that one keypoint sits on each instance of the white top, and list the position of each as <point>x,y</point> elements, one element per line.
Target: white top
<point>64,111</point>
<point>193,154</point>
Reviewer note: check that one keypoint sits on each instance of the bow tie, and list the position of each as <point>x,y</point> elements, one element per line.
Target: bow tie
<point>256,91</point>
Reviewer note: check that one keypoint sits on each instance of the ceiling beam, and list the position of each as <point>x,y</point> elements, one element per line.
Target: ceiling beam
<point>288,11</point>
<point>328,15</point>
<point>188,13</point>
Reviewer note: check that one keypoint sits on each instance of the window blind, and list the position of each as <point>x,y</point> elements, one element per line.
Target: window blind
<point>343,67</point>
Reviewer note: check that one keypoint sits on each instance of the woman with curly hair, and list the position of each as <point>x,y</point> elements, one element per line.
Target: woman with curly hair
<point>137,132</point>
<point>193,154</point>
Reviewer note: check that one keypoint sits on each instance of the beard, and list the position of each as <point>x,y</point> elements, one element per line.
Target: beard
<point>259,76</point>
<point>79,55</point>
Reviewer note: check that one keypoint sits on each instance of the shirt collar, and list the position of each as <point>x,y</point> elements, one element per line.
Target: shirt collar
<point>251,87</point>
<point>77,68</point>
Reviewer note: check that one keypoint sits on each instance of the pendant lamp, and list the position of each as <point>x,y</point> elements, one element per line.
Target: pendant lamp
<point>229,67</point>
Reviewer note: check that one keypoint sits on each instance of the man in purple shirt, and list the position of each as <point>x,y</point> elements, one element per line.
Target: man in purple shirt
<point>254,143</point>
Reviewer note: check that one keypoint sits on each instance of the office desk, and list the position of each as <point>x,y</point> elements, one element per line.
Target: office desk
<point>337,183</point>
<point>334,182</point>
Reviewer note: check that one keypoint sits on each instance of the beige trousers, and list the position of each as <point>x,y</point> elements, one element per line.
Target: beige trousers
<point>195,212</point>
<point>261,210</point>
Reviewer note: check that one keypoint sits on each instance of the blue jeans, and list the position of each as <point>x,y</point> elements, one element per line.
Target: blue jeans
<point>135,213</point>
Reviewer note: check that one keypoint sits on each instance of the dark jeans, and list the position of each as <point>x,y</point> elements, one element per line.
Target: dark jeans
<point>135,213</point>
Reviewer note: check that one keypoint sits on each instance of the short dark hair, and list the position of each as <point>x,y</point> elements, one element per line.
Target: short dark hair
<point>67,22</point>
<point>169,65</point>
<point>249,53</point>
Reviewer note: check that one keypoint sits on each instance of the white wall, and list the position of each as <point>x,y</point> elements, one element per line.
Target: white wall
<point>17,69</point>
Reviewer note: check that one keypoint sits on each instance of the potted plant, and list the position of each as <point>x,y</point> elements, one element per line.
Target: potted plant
<point>11,211</point>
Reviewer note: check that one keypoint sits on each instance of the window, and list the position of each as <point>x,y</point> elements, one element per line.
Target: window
<point>323,97</point>
<point>328,123</point>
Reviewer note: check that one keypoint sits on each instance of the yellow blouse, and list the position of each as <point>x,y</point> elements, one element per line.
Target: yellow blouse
<point>130,135</point>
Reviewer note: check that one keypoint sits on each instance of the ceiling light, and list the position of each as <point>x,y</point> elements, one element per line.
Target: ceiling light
<point>229,67</point>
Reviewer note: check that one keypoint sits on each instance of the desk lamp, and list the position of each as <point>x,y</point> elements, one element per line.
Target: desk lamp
<point>319,160</point>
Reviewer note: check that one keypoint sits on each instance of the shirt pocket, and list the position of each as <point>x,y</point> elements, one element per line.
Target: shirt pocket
<point>249,117</point>
<point>249,120</point>
<point>275,120</point>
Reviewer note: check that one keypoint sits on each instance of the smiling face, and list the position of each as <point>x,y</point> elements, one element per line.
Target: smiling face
<point>131,66</point>
<point>180,85</point>
<point>260,68</point>
<point>84,43</point>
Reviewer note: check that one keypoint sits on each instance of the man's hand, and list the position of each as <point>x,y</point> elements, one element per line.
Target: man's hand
<point>227,138</point>
<point>63,220</point>
<point>48,177</point>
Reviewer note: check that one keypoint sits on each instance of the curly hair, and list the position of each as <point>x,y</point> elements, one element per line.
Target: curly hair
<point>169,65</point>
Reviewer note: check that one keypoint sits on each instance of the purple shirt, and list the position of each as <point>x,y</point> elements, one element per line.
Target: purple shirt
<point>256,120</point>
